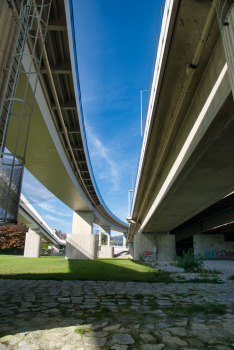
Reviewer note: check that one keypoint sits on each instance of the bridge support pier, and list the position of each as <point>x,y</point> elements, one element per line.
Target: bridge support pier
<point>32,247</point>
<point>124,241</point>
<point>152,247</point>
<point>82,244</point>
<point>82,222</point>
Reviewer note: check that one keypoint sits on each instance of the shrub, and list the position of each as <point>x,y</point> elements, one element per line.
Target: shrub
<point>189,261</point>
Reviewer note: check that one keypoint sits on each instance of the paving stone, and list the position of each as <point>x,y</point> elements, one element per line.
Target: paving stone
<point>163,325</point>
<point>95,341</point>
<point>112,328</point>
<point>174,341</point>
<point>50,304</point>
<point>178,331</point>
<point>148,338</point>
<point>123,339</point>
<point>119,347</point>
<point>96,334</point>
<point>153,347</point>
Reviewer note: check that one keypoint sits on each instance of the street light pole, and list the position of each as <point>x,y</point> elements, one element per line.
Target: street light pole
<point>129,200</point>
<point>141,114</point>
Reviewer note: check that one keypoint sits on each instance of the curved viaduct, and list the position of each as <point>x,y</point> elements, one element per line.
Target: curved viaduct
<point>57,151</point>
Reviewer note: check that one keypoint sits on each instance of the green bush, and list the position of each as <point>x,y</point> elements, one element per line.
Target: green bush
<point>189,261</point>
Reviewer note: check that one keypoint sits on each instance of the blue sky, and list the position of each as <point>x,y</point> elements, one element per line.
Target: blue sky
<point>115,47</point>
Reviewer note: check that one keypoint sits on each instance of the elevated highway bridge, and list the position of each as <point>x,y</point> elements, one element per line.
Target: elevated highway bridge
<point>57,151</point>
<point>186,161</point>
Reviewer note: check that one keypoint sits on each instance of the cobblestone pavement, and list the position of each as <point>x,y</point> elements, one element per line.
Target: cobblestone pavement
<point>71,315</point>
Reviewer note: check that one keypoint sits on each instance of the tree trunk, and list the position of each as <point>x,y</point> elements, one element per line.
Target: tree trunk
<point>15,250</point>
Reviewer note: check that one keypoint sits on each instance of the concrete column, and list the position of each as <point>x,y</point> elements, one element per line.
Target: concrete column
<point>82,222</point>
<point>124,241</point>
<point>100,237</point>
<point>154,247</point>
<point>131,250</point>
<point>227,33</point>
<point>107,230</point>
<point>32,247</point>
<point>81,246</point>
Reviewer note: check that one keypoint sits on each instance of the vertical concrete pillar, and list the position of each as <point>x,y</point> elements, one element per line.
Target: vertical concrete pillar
<point>124,241</point>
<point>227,33</point>
<point>100,237</point>
<point>131,250</point>
<point>107,230</point>
<point>32,247</point>
<point>82,222</point>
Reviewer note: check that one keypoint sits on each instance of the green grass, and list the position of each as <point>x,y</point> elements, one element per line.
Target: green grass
<point>58,268</point>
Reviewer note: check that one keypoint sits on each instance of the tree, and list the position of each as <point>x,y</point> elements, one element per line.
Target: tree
<point>113,242</point>
<point>13,236</point>
<point>104,239</point>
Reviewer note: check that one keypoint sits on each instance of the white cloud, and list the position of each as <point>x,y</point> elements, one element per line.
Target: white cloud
<point>54,218</point>
<point>51,208</point>
<point>35,193</point>
<point>97,149</point>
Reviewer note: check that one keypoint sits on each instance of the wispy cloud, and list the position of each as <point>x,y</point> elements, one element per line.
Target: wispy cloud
<point>99,150</point>
<point>41,194</point>
<point>51,208</point>
<point>54,219</point>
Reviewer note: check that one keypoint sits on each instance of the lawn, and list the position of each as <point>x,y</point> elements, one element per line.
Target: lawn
<point>58,268</point>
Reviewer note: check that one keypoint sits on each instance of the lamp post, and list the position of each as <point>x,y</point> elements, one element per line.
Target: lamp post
<point>141,113</point>
<point>129,201</point>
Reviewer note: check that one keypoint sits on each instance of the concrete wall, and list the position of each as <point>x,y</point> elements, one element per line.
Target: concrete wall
<point>213,246</point>
<point>106,252</point>
<point>32,247</point>
<point>81,246</point>
<point>82,222</point>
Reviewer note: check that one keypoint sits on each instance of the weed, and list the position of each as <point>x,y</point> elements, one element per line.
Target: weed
<point>189,309</point>
<point>158,275</point>
<point>189,261</point>
<point>139,296</point>
<point>231,278</point>
<point>141,258</point>
<point>218,309</point>
<point>80,330</point>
